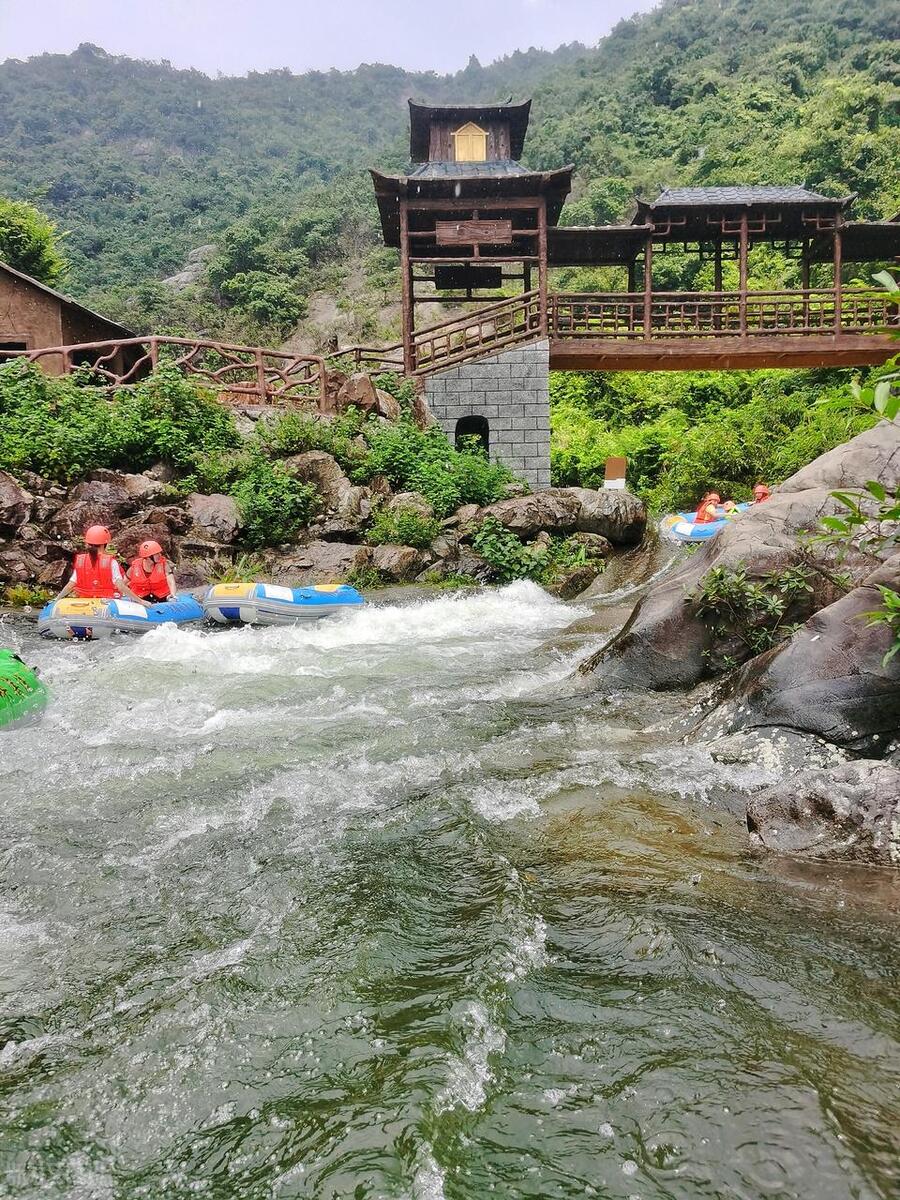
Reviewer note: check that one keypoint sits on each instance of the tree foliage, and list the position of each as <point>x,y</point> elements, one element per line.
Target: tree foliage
<point>29,241</point>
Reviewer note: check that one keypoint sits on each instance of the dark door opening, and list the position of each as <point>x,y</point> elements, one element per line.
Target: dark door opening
<point>472,427</point>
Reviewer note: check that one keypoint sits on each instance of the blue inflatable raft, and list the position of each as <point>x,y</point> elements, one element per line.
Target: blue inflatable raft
<point>682,527</point>
<point>85,620</point>
<point>271,604</point>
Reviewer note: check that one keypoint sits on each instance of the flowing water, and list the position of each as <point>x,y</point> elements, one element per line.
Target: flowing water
<point>382,908</point>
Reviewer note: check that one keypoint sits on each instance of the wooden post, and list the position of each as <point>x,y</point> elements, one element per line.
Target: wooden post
<point>632,288</point>
<point>260,375</point>
<point>648,288</point>
<point>804,281</point>
<point>542,262</point>
<point>407,300</point>
<point>742,268</point>
<point>154,353</point>
<point>717,284</point>
<point>838,289</point>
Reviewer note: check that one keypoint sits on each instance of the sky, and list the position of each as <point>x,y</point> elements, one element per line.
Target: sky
<point>234,36</point>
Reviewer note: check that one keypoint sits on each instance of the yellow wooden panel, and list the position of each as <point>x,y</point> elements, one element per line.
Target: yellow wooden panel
<point>469,143</point>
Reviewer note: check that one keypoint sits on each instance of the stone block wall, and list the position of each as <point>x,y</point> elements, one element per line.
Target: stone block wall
<point>510,390</point>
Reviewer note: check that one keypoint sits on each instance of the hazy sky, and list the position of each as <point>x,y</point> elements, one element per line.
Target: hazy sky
<point>234,37</point>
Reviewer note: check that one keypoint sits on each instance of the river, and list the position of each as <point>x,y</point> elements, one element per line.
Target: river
<point>385,909</point>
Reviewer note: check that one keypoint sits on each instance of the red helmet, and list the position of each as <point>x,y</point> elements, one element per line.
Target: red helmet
<point>97,535</point>
<point>148,549</point>
<point>760,487</point>
<point>714,496</point>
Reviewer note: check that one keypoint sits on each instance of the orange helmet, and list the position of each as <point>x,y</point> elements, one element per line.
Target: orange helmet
<point>148,549</point>
<point>97,535</point>
<point>714,496</point>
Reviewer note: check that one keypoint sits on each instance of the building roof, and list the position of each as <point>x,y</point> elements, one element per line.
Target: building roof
<point>422,115</point>
<point>498,168</point>
<point>466,181</point>
<point>67,300</point>
<point>595,245</point>
<point>740,196</point>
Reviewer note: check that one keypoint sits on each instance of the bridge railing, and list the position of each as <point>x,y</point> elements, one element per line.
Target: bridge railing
<point>474,334</point>
<point>238,374</point>
<point>374,358</point>
<point>625,315</point>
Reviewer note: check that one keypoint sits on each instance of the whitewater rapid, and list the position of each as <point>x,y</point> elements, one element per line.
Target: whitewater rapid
<point>388,907</point>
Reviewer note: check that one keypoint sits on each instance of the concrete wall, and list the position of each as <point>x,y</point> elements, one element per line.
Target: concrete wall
<point>511,391</point>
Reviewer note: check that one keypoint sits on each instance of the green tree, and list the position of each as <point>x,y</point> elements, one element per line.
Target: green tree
<point>29,241</point>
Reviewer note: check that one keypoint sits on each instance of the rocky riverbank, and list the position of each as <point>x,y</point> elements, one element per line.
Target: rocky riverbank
<point>810,687</point>
<point>355,531</point>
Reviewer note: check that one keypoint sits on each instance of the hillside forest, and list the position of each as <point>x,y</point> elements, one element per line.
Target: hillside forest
<point>241,208</point>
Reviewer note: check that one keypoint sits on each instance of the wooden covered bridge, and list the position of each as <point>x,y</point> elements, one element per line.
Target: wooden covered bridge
<point>479,231</point>
<point>473,224</point>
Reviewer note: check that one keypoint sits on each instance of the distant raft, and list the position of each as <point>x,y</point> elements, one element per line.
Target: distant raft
<point>85,620</point>
<point>683,527</point>
<point>21,691</point>
<point>270,604</point>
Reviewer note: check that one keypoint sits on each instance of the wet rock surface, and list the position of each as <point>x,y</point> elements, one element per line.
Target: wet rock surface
<point>850,812</point>
<point>829,679</point>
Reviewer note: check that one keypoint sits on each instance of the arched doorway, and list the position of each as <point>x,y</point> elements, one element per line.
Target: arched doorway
<point>469,427</point>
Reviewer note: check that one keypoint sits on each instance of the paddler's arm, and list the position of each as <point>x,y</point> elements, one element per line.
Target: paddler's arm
<point>121,581</point>
<point>66,589</point>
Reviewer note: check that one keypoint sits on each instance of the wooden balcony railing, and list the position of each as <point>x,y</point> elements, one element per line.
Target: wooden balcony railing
<point>238,374</point>
<point>369,358</point>
<point>715,314</point>
<point>477,333</point>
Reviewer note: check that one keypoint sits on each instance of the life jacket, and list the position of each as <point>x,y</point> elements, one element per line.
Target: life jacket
<point>706,513</point>
<point>94,577</point>
<point>154,584</point>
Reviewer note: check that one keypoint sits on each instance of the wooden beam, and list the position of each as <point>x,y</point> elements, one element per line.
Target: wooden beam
<point>838,289</point>
<point>720,353</point>
<point>648,289</point>
<point>743,251</point>
<point>408,303</point>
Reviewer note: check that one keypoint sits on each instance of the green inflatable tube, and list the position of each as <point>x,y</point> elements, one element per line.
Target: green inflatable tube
<point>20,689</point>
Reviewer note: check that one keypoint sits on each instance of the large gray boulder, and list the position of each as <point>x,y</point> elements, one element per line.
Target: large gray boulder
<point>616,515</point>
<point>527,516</point>
<point>850,812</point>
<point>318,562</point>
<point>15,505</point>
<point>345,507</point>
<point>829,679</point>
<point>665,643</point>
<point>214,518</point>
<point>397,563</point>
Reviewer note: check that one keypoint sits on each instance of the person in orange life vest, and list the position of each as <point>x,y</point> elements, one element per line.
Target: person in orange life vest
<point>760,493</point>
<point>96,572</point>
<point>150,575</point>
<point>706,509</point>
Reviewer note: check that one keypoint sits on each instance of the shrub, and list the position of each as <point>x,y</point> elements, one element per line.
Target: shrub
<point>297,432</point>
<point>402,526</point>
<point>64,427</point>
<point>273,505</point>
<point>424,461</point>
<point>23,595</point>
<point>508,558</point>
<point>748,616</point>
